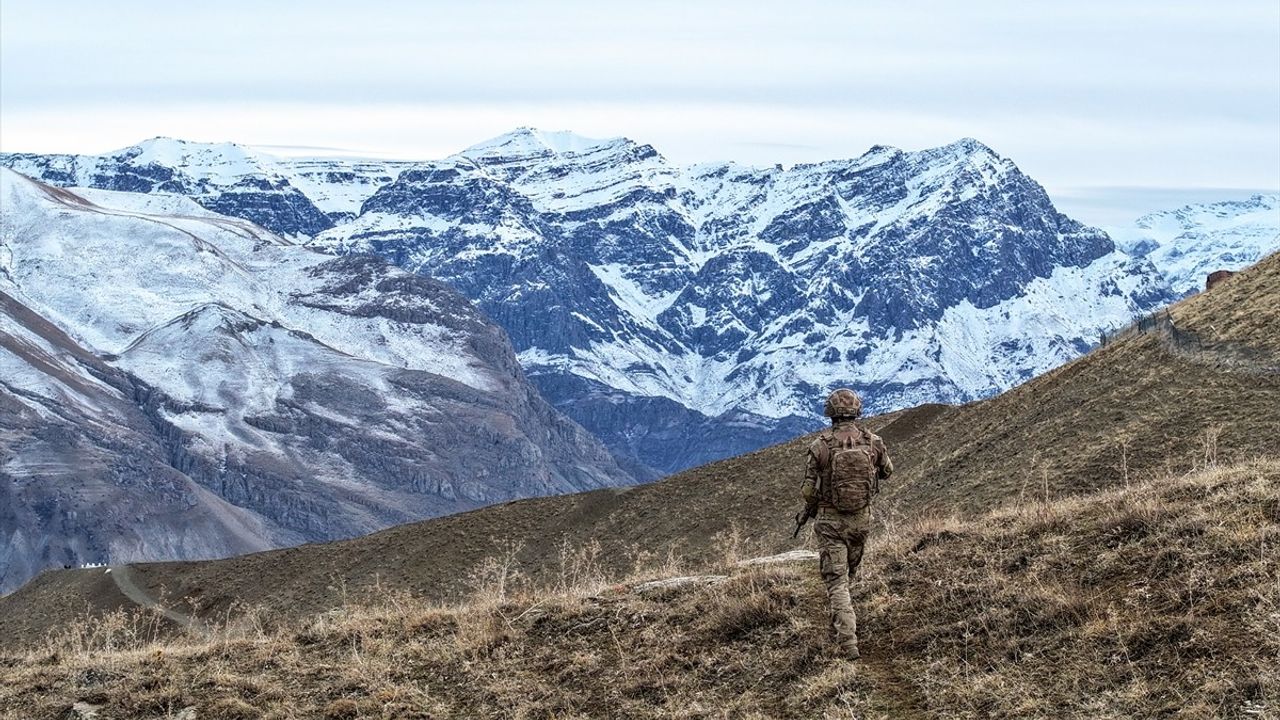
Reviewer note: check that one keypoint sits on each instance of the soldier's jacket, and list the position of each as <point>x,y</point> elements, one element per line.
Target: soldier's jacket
<point>813,472</point>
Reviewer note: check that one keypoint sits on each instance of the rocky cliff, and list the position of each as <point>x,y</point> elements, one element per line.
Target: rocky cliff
<point>178,384</point>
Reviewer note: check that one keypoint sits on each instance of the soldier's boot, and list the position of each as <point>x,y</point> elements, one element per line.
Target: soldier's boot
<point>849,650</point>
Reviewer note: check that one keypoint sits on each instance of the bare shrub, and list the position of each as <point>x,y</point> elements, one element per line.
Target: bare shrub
<point>496,578</point>
<point>1209,446</point>
<point>580,569</point>
<point>756,601</point>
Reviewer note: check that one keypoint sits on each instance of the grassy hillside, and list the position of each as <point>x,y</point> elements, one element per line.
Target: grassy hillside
<point>1160,599</point>
<point>1141,407</point>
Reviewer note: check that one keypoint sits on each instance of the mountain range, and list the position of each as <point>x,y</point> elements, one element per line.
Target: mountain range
<point>1188,242</point>
<point>688,313</point>
<point>178,384</point>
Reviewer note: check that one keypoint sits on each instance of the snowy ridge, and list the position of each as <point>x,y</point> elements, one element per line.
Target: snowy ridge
<point>1190,242</point>
<point>214,163</point>
<point>180,263</point>
<point>55,375</point>
<point>152,204</point>
<point>290,196</point>
<point>528,142</point>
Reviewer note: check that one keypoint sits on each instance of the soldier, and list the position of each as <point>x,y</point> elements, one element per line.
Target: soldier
<point>842,474</point>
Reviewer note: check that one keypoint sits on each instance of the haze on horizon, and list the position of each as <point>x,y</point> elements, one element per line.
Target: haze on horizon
<point>1111,106</point>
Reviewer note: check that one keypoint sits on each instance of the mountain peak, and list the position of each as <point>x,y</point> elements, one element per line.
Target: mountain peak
<point>176,152</point>
<point>882,149</point>
<point>962,151</point>
<point>965,151</point>
<point>968,146</point>
<point>527,141</point>
<point>966,158</point>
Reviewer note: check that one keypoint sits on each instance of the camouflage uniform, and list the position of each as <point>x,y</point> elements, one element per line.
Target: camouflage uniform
<point>841,536</point>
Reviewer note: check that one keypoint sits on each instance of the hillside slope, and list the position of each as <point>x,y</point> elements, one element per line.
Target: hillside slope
<point>94,451</point>
<point>1159,599</point>
<point>1138,408</point>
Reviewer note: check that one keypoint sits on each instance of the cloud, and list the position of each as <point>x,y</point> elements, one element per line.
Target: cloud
<point>1135,93</point>
<point>1117,207</point>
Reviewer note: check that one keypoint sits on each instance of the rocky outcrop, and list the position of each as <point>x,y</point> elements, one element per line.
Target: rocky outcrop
<point>1216,277</point>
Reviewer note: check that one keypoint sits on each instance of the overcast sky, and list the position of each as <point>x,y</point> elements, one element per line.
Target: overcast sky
<point>1180,98</point>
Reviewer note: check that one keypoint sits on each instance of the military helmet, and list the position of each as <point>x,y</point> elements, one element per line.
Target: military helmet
<point>843,403</point>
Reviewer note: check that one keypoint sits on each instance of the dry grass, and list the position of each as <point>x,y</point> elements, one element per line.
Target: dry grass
<point>1132,410</point>
<point>1157,600</point>
<point>590,650</point>
<point>1234,312</point>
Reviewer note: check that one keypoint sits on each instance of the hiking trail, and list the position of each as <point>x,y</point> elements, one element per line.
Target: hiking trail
<point>122,576</point>
<point>892,694</point>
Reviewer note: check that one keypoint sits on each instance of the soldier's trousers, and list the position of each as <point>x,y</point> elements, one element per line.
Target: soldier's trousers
<point>841,538</point>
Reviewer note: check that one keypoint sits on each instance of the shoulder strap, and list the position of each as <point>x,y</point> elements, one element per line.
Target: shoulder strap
<point>823,451</point>
<point>825,448</point>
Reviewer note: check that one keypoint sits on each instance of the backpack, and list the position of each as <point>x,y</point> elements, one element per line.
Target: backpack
<point>852,477</point>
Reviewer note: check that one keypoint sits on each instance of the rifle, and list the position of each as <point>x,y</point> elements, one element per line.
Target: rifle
<point>804,516</point>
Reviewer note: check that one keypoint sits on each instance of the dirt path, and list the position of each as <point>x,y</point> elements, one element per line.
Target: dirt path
<point>893,695</point>
<point>122,576</point>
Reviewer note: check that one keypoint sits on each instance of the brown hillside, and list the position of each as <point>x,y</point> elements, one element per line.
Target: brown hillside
<point>1155,600</point>
<point>1140,407</point>
<point>1239,315</point>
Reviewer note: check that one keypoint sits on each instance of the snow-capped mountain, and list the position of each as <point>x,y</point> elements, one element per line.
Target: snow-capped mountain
<point>688,313</point>
<point>1190,242</point>
<point>744,294</point>
<point>290,197</point>
<point>179,384</point>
